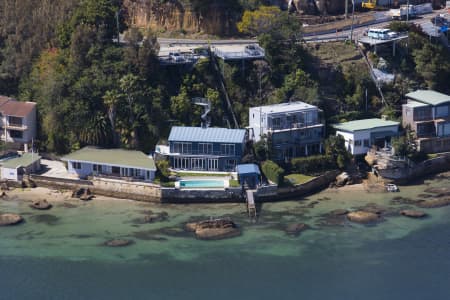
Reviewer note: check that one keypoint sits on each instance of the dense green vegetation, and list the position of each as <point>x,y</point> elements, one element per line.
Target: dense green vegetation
<point>272,171</point>
<point>91,90</point>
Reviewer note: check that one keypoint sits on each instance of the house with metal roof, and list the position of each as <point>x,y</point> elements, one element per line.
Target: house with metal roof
<point>427,113</point>
<point>112,163</point>
<point>361,135</point>
<point>17,120</point>
<point>204,148</point>
<point>294,128</point>
<point>15,167</point>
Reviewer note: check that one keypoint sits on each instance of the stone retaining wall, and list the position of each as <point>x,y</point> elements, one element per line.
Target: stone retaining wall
<point>309,187</point>
<point>124,190</point>
<point>173,195</point>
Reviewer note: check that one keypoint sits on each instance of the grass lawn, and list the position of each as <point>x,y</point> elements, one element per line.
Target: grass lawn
<point>295,179</point>
<point>234,183</point>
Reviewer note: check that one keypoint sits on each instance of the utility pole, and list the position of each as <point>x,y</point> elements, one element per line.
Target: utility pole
<point>353,19</point>
<point>346,9</point>
<point>117,24</point>
<point>407,11</point>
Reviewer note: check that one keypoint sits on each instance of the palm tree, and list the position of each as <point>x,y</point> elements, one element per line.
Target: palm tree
<point>110,100</point>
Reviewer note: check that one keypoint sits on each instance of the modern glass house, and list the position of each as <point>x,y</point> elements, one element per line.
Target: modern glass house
<point>204,148</point>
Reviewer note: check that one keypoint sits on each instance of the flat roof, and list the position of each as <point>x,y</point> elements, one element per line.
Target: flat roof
<point>248,169</point>
<point>207,135</point>
<point>284,107</point>
<point>429,97</point>
<point>364,124</point>
<point>115,157</point>
<point>24,160</point>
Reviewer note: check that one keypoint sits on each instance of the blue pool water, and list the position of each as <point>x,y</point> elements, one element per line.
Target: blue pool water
<point>201,183</point>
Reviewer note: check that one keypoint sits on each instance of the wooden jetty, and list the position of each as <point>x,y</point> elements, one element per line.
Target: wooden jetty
<point>251,207</point>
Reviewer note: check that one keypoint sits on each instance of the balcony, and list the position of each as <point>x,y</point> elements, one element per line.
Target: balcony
<point>16,126</point>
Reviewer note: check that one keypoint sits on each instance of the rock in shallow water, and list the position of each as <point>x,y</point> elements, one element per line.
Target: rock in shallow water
<point>363,217</point>
<point>118,243</point>
<point>10,219</point>
<point>216,229</point>
<point>413,213</point>
<point>41,204</point>
<point>433,203</point>
<point>296,228</point>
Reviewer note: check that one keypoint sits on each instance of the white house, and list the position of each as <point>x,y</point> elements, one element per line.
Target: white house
<point>15,168</point>
<point>294,127</point>
<point>17,120</point>
<point>361,135</point>
<point>117,163</point>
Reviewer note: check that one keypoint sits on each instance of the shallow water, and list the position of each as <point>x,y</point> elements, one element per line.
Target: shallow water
<point>57,254</point>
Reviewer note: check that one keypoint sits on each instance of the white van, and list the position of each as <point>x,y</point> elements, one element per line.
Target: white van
<point>377,33</point>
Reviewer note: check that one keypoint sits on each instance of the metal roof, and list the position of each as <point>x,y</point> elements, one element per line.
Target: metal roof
<point>113,157</point>
<point>210,135</point>
<point>25,160</point>
<point>284,107</point>
<point>365,124</point>
<point>412,103</point>
<point>248,169</point>
<point>429,97</point>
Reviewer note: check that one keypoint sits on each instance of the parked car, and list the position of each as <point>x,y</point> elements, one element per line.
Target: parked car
<point>175,56</point>
<point>251,50</point>
<point>392,34</point>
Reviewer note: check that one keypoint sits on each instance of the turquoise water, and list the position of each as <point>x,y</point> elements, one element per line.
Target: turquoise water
<point>58,254</point>
<point>202,183</point>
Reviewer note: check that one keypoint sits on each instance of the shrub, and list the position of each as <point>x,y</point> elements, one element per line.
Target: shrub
<point>313,164</point>
<point>163,169</point>
<point>273,171</point>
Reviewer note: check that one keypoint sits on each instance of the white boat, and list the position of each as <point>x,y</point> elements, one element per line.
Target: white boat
<point>392,188</point>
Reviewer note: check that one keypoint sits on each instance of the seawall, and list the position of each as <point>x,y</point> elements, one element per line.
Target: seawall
<point>153,193</point>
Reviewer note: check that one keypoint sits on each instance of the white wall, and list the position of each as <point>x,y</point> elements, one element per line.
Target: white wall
<point>9,174</point>
<point>350,139</point>
<point>254,123</point>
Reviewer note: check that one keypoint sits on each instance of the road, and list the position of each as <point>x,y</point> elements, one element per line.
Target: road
<point>382,20</point>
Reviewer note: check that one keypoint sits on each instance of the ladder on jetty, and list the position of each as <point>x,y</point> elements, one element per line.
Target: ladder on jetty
<point>251,207</point>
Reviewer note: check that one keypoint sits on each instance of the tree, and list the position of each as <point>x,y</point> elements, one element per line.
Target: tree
<point>335,147</point>
<point>259,21</point>
<point>110,100</point>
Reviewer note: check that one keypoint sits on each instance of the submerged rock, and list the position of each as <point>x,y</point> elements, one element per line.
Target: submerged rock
<point>41,204</point>
<point>158,217</point>
<point>363,217</point>
<point>433,203</point>
<point>10,219</point>
<point>46,219</point>
<point>216,229</point>
<point>338,212</point>
<point>118,243</point>
<point>413,213</point>
<point>296,228</point>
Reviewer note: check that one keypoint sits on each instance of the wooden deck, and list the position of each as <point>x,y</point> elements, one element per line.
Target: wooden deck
<point>251,207</point>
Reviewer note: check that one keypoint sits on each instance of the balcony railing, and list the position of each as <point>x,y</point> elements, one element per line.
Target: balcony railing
<point>16,126</point>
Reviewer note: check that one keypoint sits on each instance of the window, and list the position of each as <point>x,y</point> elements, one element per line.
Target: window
<point>227,149</point>
<point>276,122</point>
<point>358,143</point>
<point>179,147</point>
<point>366,143</point>
<point>98,168</point>
<point>16,134</point>
<point>204,148</point>
<point>115,170</point>
<point>76,165</point>
<point>15,121</point>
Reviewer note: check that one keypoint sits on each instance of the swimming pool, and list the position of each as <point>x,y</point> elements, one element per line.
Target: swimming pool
<point>203,183</point>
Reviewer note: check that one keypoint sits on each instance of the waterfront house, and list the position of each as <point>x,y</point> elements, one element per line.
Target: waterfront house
<point>361,135</point>
<point>427,113</point>
<point>17,120</point>
<point>111,163</point>
<point>204,148</point>
<point>294,128</point>
<point>25,164</point>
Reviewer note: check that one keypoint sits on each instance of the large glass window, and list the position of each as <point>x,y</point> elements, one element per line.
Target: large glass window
<point>16,134</point>
<point>205,148</point>
<point>227,149</point>
<point>185,148</point>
